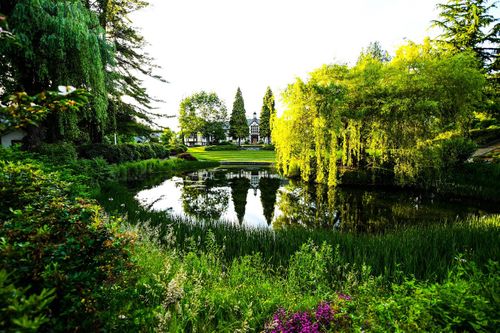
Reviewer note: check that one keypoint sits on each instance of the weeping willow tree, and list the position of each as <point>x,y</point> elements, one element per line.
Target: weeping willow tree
<point>399,115</point>
<point>59,43</point>
<point>89,44</point>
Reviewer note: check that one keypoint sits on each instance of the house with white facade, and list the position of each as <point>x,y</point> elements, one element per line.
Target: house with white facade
<point>253,129</point>
<point>197,139</point>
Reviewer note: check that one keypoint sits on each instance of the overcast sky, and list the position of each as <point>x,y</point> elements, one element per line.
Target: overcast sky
<point>220,45</point>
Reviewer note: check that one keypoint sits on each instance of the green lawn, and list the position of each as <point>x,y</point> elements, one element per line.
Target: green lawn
<point>233,155</point>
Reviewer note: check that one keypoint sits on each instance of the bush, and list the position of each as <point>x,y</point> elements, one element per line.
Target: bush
<point>187,157</point>
<point>60,153</point>
<point>268,147</point>
<point>161,151</point>
<point>485,136</point>
<point>224,147</point>
<point>20,312</point>
<point>179,149</point>
<point>455,151</point>
<point>126,152</point>
<point>54,241</point>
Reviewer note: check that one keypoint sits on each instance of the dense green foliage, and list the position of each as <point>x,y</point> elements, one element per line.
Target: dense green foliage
<point>54,241</point>
<point>203,113</point>
<point>59,43</point>
<point>238,126</point>
<point>267,115</point>
<point>124,152</point>
<point>404,116</point>
<point>87,44</point>
<point>22,110</point>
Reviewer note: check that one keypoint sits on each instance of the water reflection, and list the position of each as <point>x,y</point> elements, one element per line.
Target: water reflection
<point>260,197</point>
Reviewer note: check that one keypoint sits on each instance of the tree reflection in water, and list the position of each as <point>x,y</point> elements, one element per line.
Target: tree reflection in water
<point>268,189</point>
<point>239,191</point>
<point>204,195</point>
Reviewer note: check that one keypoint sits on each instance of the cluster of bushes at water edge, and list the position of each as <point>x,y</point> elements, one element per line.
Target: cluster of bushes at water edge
<point>58,253</point>
<point>125,152</point>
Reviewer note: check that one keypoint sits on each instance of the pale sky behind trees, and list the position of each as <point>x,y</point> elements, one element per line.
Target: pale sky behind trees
<point>220,45</point>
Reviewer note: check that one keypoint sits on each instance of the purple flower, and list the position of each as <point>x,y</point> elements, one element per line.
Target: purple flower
<point>324,313</point>
<point>301,322</point>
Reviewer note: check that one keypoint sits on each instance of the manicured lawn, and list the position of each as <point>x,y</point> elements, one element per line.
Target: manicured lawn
<point>233,155</point>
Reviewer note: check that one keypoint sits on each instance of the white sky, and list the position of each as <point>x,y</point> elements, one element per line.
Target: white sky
<point>218,45</point>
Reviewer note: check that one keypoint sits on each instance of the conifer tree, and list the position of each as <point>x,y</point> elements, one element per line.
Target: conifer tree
<point>468,25</point>
<point>238,122</point>
<point>267,113</point>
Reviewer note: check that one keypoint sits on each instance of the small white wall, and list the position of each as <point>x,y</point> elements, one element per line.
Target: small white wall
<point>16,135</point>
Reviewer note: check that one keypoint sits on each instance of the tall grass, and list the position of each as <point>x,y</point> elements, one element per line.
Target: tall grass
<point>424,252</point>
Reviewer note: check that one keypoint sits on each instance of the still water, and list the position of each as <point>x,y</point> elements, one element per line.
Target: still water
<point>260,197</point>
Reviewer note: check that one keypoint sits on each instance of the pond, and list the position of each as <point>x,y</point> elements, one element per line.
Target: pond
<point>256,196</point>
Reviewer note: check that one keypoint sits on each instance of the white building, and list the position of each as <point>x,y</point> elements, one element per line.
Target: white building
<point>197,139</point>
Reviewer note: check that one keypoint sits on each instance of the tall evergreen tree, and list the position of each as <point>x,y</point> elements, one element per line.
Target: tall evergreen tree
<point>129,65</point>
<point>468,25</point>
<point>238,122</point>
<point>267,114</point>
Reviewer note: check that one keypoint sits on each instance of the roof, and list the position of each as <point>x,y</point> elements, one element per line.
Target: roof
<point>251,120</point>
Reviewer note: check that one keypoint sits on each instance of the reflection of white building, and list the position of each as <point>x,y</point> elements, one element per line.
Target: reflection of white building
<point>254,176</point>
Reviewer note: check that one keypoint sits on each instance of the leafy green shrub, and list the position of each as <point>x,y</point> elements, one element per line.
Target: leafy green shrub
<point>485,136</point>
<point>187,157</point>
<point>467,301</point>
<point>51,240</point>
<point>126,152</point>
<point>225,147</point>
<point>268,147</point>
<point>146,152</point>
<point>101,150</point>
<point>161,151</point>
<point>455,151</point>
<point>97,170</point>
<point>58,152</point>
<point>179,149</point>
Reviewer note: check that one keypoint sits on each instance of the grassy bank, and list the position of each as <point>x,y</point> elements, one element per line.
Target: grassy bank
<point>234,155</point>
